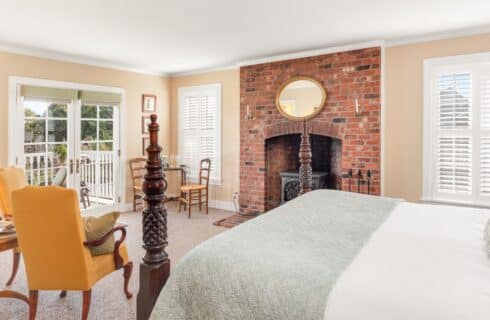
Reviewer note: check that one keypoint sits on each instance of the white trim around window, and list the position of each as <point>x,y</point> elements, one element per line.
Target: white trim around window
<point>200,112</point>
<point>456,130</point>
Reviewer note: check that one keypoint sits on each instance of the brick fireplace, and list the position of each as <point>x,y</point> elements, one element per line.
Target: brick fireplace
<point>282,154</point>
<point>341,141</point>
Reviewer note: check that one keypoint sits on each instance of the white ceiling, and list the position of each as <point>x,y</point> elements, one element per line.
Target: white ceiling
<point>165,36</point>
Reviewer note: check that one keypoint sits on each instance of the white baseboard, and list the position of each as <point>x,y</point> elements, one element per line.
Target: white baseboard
<point>217,204</point>
<point>223,205</point>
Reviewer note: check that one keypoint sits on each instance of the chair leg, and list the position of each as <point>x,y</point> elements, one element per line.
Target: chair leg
<point>63,294</point>
<point>185,202</point>
<point>32,304</point>
<point>134,202</point>
<point>128,269</point>
<point>189,202</point>
<point>15,266</point>
<point>86,304</point>
<point>207,202</point>
<point>180,202</point>
<point>200,200</point>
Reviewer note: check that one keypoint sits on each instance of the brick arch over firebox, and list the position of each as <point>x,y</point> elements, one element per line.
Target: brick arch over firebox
<point>346,76</point>
<point>314,127</point>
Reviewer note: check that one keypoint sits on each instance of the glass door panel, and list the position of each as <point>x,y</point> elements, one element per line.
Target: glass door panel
<point>45,142</point>
<point>96,166</point>
<point>70,145</point>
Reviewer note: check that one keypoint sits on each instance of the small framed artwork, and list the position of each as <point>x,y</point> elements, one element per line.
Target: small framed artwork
<point>149,103</point>
<point>146,143</point>
<point>145,121</point>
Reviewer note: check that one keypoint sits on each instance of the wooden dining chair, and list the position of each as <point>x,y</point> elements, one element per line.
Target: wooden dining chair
<point>197,194</point>
<point>138,170</point>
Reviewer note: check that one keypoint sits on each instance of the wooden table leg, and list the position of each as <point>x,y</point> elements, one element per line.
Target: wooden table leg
<point>13,295</point>
<point>15,266</point>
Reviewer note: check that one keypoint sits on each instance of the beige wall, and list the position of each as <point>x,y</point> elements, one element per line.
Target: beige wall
<point>402,124</point>
<point>134,85</point>
<point>230,81</point>
<point>403,109</point>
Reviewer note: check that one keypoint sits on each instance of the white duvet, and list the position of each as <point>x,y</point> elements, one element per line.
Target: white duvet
<point>426,262</point>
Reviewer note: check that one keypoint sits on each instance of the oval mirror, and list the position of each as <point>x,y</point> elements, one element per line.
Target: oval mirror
<point>300,98</point>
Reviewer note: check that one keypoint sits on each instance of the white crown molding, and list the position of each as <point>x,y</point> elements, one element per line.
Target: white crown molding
<point>438,36</point>
<point>203,71</point>
<point>311,53</point>
<point>53,55</point>
<point>57,56</point>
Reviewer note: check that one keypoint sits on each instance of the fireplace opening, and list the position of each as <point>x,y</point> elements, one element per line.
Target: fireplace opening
<point>282,154</point>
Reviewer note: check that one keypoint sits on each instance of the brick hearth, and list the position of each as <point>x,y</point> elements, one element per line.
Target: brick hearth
<point>346,76</point>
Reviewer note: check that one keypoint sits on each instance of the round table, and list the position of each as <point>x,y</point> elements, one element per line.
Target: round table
<point>9,242</point>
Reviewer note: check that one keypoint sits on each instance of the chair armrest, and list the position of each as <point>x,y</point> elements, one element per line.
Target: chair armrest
<point>118,260</point>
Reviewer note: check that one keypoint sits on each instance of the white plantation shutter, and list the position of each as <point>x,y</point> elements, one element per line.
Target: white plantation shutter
<point>455,101</point>
<point>199,128</point>
<point>454,165</point>
<point>457,125</point>
<point>454,133</point>
<point>485,134</point>
<point>485,166</point>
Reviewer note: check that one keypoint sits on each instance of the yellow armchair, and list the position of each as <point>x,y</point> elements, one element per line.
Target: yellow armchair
<point>56,255</point>
<point>11,179</point>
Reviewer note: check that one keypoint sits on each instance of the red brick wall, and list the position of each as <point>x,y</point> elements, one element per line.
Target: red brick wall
<point>346,76</point>
<point>282,155</point>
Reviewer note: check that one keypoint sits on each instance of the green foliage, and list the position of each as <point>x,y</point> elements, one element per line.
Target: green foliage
<point>89,130</point>
<point>61,151</point>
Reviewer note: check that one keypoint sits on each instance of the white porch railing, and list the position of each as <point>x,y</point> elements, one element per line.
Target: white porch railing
<point>96,170</point>
<point>97,173</point>
<point>40,168</point>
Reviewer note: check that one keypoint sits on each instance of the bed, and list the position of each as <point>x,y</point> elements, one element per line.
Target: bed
<point>326,255</point>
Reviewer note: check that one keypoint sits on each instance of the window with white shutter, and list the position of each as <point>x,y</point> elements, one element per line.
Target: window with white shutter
<point>457,129</point>
<point>200,129</point>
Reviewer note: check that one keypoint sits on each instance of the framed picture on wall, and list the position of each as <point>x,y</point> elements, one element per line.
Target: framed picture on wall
<point>149,103</point>
<point>146,143</point>
<point>145,121</point>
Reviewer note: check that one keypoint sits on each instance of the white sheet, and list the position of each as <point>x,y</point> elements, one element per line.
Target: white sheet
<point>426,262</point>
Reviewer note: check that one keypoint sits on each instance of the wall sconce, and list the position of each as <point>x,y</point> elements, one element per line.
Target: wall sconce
<point>357,111</point>
<point>249,114</point>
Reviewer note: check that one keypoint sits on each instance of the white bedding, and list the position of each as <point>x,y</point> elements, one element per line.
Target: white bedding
<point>426,262</point>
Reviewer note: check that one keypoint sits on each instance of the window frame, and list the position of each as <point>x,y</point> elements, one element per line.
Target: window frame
<point>215,89</point>
<point>432,68</point>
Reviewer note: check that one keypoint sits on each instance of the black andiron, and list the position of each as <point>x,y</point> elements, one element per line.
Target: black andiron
<point>360,180</point>
<point>155,267</point>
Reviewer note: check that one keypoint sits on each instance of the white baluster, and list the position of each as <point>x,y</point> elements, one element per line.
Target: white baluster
<point>38,162</point>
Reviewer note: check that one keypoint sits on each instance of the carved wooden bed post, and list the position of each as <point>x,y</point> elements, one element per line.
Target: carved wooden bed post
<point>305,171</point>
<point>155,267</point>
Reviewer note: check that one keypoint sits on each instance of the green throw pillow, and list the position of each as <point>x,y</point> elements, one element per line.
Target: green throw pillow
<point>96,228</point>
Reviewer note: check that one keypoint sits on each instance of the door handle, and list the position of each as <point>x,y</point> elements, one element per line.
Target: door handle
<point>71,166</point>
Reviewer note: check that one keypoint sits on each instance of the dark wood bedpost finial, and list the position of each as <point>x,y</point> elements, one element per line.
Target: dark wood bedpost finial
<point>155,267</point>
<point>305,171</point>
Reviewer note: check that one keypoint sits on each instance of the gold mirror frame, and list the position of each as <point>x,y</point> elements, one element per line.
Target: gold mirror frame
<point>313,114</point>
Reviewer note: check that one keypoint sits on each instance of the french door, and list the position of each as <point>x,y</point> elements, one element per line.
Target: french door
<point>73,145</point>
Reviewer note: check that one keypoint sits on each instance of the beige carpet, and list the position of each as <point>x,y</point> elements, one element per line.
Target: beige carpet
<point>108,300</point>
